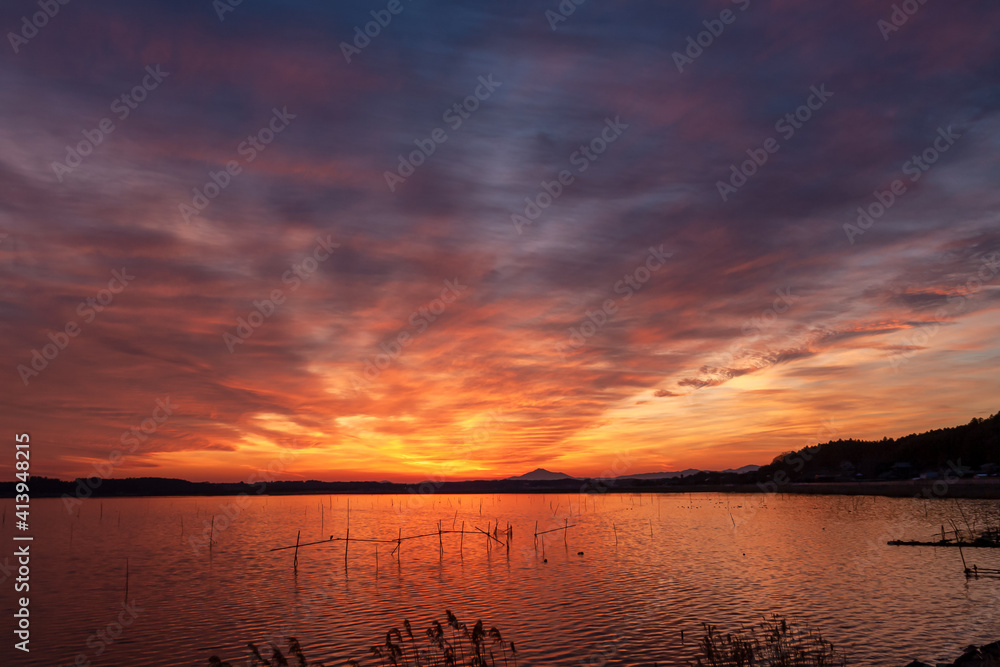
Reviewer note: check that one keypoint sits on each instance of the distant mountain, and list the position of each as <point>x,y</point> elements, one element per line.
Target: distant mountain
<point>743,469</point>
<point>540,475</point>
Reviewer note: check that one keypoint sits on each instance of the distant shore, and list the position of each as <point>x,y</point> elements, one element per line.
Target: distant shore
<point>986,488</point>
<point>923,488</point>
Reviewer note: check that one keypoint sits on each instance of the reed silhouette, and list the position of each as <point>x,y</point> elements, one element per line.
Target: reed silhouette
<point>772,643</point>
<point>463,646</point>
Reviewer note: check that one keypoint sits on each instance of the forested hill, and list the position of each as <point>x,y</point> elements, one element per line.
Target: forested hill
<point>971,446</point>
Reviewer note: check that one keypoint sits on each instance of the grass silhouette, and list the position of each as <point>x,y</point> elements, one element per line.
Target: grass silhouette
<point>772,643</point>
<point>460,646</point>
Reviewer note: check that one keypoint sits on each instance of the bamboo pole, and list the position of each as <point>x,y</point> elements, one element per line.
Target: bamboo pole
<point>616,533</point>
<point>347,536</point>
<point>488,536</point>
<point>461,540</point>
<point>295,561</point>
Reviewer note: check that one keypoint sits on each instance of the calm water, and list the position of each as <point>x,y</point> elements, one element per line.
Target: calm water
<point>680,560</point>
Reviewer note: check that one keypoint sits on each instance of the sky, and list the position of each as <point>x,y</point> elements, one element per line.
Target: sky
<point>606,238</point>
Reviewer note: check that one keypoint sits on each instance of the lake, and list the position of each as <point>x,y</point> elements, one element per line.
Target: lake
<point>680,560</point>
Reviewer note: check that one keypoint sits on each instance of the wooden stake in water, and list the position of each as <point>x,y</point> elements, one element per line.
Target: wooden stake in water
<point>126,578</point>
<point>347,537</point>
<point>461,539</point>
<point>616,533</point>
<point>295,561</point>
<point>565,531</point>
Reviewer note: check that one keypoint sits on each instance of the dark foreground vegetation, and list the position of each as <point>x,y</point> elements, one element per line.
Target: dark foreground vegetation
<point>973,656</point>
<point>774,642</point>
<point>454,644</point>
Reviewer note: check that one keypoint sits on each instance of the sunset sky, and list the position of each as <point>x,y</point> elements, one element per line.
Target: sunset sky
<point>886,330</point>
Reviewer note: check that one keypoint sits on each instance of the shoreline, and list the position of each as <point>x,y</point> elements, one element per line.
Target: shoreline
<point>976,489</point>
